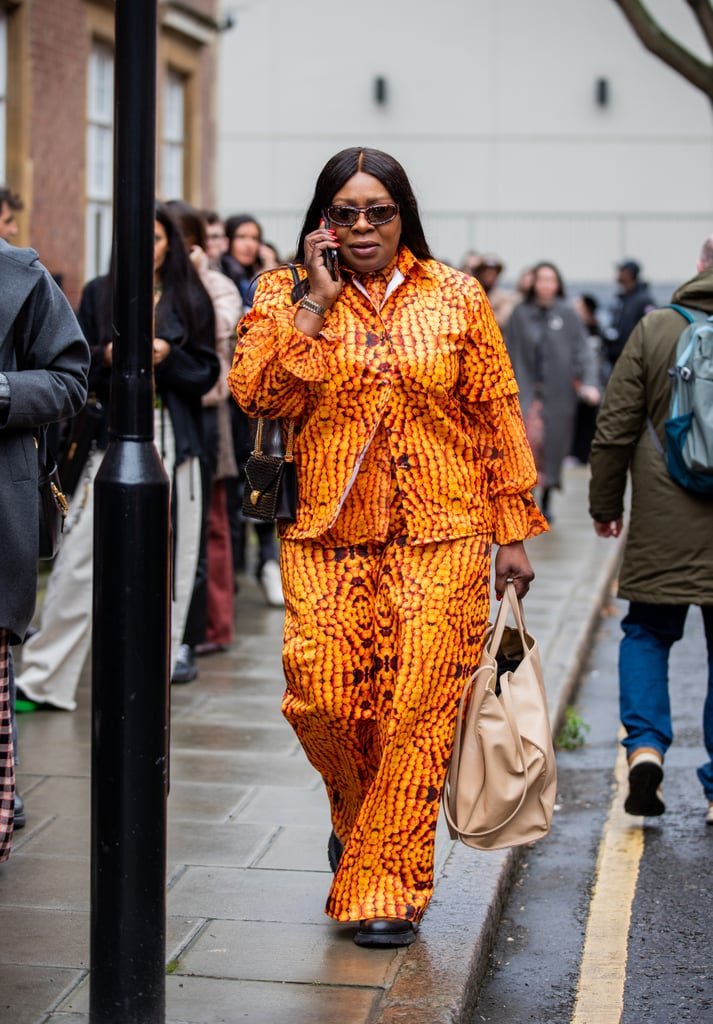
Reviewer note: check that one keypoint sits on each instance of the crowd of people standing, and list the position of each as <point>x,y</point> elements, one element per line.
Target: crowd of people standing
<point>203,270</point>
<point>563,350</point>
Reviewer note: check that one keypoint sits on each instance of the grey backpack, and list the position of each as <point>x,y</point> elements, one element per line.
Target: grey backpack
<point>689,428</point>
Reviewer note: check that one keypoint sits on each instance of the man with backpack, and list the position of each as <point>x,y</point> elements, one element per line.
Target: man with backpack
<point>668,554</point>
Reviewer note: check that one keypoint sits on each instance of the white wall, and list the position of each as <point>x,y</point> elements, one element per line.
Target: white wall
<point>491,109</point>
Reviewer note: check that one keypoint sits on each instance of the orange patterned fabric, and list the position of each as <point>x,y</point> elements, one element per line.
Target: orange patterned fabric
<point>431,369</point>
<point>412,459</point>
<point>379,639</point>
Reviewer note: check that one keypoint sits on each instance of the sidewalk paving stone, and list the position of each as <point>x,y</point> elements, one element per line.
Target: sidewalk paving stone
<point>247,872</point>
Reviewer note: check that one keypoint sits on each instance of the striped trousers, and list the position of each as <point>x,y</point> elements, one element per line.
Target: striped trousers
<point>7,759</point>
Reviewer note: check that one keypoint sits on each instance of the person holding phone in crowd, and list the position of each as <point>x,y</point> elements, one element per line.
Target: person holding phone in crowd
<point>412,462</point>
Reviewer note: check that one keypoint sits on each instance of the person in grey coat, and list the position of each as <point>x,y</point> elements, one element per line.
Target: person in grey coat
<point>553,365</point>
<point>44,360</point>
<point>668,553</point>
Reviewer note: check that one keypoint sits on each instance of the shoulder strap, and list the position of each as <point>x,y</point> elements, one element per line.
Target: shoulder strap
<point>655,438</point>
<point>685,313</point>
<point>691,315</point>
<point>300,287</point>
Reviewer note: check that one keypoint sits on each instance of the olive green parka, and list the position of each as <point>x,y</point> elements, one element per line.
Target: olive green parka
<point>668,555</point>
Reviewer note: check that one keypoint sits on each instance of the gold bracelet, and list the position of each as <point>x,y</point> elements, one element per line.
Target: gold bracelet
<point>313,307</point>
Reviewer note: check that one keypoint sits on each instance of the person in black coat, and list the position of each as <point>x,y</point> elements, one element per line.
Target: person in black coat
<point>633,301</point>
<point>43,379</point>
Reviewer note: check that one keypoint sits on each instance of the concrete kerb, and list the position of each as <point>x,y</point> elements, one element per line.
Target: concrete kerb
<point>570,645</point>
<point>439,977</point>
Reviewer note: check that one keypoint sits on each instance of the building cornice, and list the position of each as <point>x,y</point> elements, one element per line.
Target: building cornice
<point>181,18</point>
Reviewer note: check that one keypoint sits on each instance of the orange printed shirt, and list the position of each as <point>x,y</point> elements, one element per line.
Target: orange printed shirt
<point>416,397</point>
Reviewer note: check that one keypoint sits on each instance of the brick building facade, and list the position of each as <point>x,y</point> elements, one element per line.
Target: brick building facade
<point>56,119</point>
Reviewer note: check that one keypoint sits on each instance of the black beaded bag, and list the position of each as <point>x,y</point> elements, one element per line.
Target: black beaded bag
<point>270,491</point>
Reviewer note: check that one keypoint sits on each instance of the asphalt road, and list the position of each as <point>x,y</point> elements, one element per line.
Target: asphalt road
<point>667,963</point>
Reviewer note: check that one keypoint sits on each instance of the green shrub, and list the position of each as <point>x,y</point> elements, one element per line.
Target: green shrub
<point>573,733</point>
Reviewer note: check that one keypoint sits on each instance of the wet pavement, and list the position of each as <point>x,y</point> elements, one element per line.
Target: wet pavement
<point>247,869</point>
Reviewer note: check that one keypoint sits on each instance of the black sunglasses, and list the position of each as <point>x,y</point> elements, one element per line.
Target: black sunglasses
<point>347,216</point>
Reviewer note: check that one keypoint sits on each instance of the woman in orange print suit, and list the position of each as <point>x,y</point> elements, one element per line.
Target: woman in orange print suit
<point>412,461</point>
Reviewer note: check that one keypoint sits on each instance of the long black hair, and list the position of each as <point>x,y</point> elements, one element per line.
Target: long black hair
<point>232,224</point>
<point>190,221</point>
<point>343,166</point>
<point>181,285</point>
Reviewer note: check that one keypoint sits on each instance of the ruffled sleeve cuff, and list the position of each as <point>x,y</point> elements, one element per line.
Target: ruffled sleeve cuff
<point>517,517</point>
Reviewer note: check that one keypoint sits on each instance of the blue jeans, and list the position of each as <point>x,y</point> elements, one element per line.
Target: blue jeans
<point>650,630</point>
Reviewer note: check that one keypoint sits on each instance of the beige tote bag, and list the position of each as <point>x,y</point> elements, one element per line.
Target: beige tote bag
<point>502,780</point>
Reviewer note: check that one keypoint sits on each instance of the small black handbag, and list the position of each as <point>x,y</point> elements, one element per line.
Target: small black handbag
<point>270,492</point>
<point>51,502</point>
<point>85,430</point>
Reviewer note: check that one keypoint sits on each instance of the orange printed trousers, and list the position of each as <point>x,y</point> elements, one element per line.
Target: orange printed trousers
<point>379,639</point>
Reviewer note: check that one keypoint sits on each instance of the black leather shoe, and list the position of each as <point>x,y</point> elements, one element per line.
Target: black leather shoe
<point>20,820</point>
<point>384,933</point>
<point>334,851</point>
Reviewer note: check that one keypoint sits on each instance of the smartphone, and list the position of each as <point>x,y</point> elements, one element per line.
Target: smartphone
<point>330,255</point>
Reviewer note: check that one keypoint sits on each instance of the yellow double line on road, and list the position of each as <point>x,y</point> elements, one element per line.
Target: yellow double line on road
<point>600,992</point>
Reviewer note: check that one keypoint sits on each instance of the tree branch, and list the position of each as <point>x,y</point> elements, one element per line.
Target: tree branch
<point>704,15</point>
<point>662,45</point>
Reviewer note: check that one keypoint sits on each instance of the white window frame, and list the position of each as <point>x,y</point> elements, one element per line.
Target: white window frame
<point>173,135</point>
<point>100,159</point>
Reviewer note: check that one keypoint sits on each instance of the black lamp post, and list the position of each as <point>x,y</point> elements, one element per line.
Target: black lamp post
<point>131,608</point>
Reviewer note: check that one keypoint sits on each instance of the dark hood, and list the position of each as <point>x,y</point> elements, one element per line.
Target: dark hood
<point>698,292</point>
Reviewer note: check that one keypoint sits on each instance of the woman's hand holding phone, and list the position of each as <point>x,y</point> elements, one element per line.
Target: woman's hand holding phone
<point>321,262</point>
<point>331,259</point>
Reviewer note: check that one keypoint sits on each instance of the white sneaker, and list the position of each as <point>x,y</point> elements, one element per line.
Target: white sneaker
<point>184,671</point>
<point>271,583</point>
<point>709,815</point>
